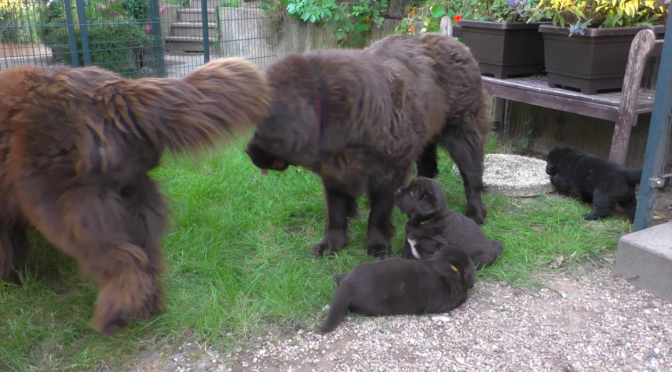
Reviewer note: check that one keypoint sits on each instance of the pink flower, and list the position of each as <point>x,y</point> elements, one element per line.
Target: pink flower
<point>148,29</point>
<point>111,1</point>
<point>112,11</point>
<point>162,10</point>
<point>101,6</point>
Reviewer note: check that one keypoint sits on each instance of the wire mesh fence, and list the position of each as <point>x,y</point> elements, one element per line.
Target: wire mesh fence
<point>135,38</point>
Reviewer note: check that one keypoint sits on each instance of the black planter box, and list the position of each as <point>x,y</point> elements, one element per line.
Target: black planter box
<point>591,62</point>
<point>505,49</point>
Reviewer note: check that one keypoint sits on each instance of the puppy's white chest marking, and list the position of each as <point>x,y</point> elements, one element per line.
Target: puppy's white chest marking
<point>412,243</point>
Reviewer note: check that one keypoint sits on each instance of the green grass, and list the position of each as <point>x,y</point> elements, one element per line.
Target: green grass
<point>239,262</point>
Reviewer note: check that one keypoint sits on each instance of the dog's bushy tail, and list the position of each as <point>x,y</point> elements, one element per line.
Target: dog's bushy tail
<point>633,176</point>
<point>338,309</point>
<point>211,103</point>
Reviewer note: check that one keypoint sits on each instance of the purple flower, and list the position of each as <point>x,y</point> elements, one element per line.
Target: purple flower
<point>512,2</point>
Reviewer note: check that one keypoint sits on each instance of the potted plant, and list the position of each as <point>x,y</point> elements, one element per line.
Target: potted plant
<point>503,40</point>
<point>587,45</point>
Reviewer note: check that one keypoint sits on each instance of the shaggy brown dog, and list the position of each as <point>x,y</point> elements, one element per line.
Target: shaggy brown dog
<point>361,118</point>
<point>432,226</point>
<point>75,149</point>
<point>396,286</point>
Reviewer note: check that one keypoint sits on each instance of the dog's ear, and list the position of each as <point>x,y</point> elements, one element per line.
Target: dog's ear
<point>454,264</point>
<point>425,207</point>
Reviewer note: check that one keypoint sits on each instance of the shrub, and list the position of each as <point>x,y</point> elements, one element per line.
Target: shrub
<point>116,41</point>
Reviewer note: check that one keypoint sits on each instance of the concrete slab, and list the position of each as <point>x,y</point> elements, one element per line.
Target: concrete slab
<point>514,175</point>
<point>644,258</point>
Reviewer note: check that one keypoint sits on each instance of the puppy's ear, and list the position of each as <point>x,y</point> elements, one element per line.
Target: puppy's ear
<point>454,264</point>
<point>425,207</point>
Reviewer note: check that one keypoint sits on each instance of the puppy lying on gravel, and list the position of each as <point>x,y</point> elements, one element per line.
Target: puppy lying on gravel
<point>432,226</point>
<point>396,286</point>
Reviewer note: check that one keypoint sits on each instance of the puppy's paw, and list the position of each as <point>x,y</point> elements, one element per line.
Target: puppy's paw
<point>323,247</point>
<point>379,250</point>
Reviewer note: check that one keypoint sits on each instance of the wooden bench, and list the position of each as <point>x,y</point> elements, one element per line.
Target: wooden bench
<point>622,108</point>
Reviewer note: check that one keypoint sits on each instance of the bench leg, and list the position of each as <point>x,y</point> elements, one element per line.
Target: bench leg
<point>621,139</point>
<point>499,113</point>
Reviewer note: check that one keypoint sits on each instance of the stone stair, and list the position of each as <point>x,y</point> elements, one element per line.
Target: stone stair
<point>186,32</point>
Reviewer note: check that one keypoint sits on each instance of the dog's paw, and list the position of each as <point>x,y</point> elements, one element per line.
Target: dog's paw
<point>108,327</point>
<point>379,250</point>
<point>323,247</point>
<point>590,216</point>
<point>480,217</point>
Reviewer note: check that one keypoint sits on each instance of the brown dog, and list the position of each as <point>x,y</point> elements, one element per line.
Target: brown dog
<point>396,286</point>
<point>76,146</point>
<point>432,226</point>
<point>361,118</point>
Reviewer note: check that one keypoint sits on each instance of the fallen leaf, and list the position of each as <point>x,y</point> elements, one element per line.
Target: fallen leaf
<point>557,262</point>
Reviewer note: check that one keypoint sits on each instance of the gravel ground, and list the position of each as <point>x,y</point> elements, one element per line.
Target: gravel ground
<point>583,320</point>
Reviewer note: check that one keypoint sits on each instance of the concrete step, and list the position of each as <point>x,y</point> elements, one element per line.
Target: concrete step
<point>644,258</point>
<point>195,15</point>
<point>197,4</point>
<point>179,44</point>
<point>191,29</point>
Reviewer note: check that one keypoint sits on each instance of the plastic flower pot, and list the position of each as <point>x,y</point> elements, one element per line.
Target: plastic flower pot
<point>505,49</point>
<point>592,62</point>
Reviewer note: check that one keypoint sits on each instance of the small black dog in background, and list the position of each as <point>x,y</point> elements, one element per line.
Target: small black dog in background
<point>396,286</point>
<point>432,226</point>
<point>601,181</point>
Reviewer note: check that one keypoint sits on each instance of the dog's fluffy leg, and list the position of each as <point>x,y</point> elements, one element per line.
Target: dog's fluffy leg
<point>90,223</point>
<point>13,250</point>
<point>427,164</point>
<point>603,203</point>
<point>465,144</point>
<point>340,207</point>
<point>338,309</point>
<point>380,228</point>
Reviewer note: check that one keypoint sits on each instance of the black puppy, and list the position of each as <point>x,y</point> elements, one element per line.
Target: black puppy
<point>396,286</point>
<point>432,226</point>
<point>601,181</point>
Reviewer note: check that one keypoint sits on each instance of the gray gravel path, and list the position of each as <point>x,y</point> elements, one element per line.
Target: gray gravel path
<point>586,320</point>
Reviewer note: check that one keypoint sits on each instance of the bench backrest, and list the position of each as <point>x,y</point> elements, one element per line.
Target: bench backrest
<point>643,46</point>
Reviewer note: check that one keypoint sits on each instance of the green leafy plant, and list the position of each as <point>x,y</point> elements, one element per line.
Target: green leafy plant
<point>17,20</point>
<point>116,41</point>
<point>581,14</point>
<point>431,11</point>
<point>357,18</point>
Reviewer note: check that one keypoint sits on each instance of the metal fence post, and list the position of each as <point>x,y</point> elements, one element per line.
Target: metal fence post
<point>155,24</point>
<point>83,31</point>
<point>657,142</point>
<point>206,24</point>
<point>71,33</point>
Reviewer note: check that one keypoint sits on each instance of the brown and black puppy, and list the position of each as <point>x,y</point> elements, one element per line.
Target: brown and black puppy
<point>396,286</point>
<point>76,149</point>
<point>600,181</point>
<point>360,119</point>
<point>432,226</point>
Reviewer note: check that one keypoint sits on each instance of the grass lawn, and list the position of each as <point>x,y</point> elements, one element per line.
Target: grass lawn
<point>238,260</point>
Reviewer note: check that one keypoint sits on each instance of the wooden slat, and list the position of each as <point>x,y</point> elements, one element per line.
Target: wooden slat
<point>543,99</point>
<point>640,48</point>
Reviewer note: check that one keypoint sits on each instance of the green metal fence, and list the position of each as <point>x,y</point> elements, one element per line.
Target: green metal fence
<point>135,38</point>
